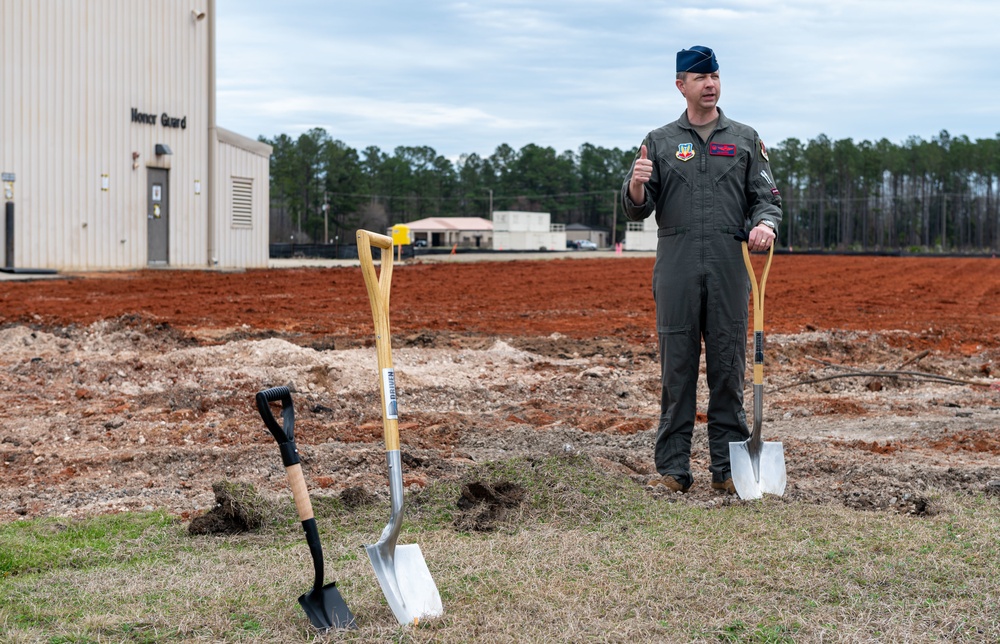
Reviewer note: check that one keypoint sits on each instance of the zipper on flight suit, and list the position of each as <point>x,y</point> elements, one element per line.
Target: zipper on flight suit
<point>704,183</point>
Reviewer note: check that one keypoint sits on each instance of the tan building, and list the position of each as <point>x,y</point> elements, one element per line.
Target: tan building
<point>465,232</point>
<point>109,149</point>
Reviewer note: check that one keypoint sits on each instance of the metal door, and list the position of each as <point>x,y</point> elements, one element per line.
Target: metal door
<point>157,217</point>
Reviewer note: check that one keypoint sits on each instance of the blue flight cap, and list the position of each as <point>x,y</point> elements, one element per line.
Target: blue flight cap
<point>698,60</point>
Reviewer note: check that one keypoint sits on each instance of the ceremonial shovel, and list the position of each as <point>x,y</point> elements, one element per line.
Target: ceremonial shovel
<point>323,605</point>
<point>401,570</point>
<point>757,467</point>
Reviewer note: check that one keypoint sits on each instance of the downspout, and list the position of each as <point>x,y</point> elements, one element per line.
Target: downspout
<point>213,137</point>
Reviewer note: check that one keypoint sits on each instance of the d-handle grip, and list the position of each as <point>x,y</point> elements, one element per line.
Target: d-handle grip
<point>284,434</point>
<point>378,285</point>
<point>379,241</point>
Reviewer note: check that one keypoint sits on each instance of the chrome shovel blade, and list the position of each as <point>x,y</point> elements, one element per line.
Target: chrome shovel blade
<point>406,582</point>
<point>754,476</point>
<point>402,572</point>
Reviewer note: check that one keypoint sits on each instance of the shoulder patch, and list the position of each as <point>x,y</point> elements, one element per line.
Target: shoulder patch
<point>763,151</point>
<point>685,151</point>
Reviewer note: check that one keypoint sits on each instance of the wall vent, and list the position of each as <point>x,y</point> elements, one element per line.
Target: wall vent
<point>242,202</point>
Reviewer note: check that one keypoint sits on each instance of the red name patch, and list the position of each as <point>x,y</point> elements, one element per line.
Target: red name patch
<point>722,149</point>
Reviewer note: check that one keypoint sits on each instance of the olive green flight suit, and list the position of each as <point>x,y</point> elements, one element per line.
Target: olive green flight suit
<point>702,193</point>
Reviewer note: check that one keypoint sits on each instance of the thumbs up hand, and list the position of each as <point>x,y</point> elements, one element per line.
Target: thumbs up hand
<point>642,170</point>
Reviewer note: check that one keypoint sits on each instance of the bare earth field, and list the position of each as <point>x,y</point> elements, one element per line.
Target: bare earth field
<point>134,391</point>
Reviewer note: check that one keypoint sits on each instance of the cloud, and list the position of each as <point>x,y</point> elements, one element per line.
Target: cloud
<point>465,77</point>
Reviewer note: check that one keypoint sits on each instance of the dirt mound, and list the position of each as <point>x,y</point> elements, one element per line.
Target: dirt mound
<point>485,506</point>
<point>238,508</point>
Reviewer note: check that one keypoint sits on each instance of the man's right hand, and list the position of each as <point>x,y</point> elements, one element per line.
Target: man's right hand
<point>642,170</point>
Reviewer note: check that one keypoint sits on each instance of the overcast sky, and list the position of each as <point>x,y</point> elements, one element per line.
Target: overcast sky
<point>464,77</point>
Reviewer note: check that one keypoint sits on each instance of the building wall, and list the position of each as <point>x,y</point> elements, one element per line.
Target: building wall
<point>81,80</point>
<point>599,237</point>
<point>243,171</point>
<point>518,220</point>
<point>520,230</point>
<point>529,240</point>
<point>641,235</point>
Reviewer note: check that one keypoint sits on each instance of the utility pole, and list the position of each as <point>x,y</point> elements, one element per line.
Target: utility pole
<point>490,213</point>
<point>614,217</point>
<point>326,219</point>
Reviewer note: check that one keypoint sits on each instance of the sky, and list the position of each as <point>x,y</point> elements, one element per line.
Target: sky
<point>465,77</point>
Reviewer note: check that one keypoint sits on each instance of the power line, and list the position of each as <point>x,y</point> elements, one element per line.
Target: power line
<point>495,196</point>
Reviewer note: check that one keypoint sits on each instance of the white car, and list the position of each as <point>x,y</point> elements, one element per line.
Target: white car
<point>586,244</point>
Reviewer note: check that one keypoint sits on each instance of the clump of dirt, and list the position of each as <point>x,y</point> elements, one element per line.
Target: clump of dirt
<point>238,508</point>
<point>486,506</point>
<point>356,497</point>
<point>971,441</point>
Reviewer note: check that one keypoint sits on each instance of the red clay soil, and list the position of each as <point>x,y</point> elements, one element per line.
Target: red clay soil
<point>948,304</point>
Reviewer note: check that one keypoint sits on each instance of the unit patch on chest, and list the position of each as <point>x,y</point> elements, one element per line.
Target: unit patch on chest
<point>685,151</point>
<point>722,149</point>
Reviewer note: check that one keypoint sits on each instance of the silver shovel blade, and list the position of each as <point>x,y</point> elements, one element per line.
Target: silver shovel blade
<point>769,475</point>
<point>406,582</point>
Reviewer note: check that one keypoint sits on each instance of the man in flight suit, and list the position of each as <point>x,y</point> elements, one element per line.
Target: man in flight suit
<point>707,178</point>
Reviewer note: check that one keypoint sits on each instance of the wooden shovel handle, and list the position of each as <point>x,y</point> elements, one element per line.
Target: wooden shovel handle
<point>303,505</point>
<point>378,286</point>
<point>758,311</point>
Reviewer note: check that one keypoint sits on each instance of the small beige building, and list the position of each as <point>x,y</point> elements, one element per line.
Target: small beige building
<point>109,148</point>
<point>465,232</point>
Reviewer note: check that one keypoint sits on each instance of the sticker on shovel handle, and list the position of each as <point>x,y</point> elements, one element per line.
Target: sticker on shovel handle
<point>389,387</point>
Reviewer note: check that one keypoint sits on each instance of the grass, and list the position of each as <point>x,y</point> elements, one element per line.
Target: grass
<point>586,558</point>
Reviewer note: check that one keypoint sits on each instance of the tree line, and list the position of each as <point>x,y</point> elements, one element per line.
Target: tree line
<point>322,190</point>
<point>937,195</point>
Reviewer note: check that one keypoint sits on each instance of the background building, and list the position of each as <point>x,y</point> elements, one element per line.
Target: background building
<point>641,235</point>
<point>583,232</point>
<point>517,230</point>
<point>466,232</point>
<point>110,153</point>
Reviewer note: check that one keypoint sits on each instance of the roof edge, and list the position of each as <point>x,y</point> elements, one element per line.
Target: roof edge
<point>244,143</point>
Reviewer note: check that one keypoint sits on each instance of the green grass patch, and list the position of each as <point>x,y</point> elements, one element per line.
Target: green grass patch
<point>32,546</point>
<point>584,557</point>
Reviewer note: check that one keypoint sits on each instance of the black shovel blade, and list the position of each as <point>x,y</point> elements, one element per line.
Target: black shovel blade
<point>326,609</point>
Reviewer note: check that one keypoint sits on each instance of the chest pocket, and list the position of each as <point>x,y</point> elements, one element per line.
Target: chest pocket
<point>724,168</point>
<point>685,171</point>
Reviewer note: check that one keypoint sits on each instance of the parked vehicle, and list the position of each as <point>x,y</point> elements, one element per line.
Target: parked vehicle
<point>586,244</point>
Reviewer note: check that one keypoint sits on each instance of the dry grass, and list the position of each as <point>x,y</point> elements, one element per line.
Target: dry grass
<point>586,558</point>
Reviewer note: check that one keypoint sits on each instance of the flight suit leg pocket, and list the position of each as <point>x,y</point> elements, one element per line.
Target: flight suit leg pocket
<point>732,354</point>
